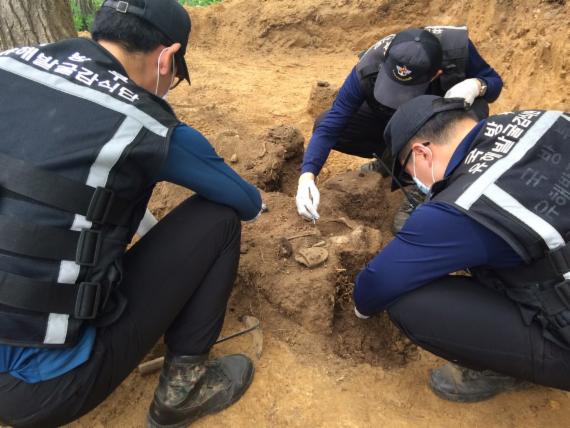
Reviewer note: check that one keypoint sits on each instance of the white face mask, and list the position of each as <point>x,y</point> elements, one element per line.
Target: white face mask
<point>421,186</point>
<point>158,76</point>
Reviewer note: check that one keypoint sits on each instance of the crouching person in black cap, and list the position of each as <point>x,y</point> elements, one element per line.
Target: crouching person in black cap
<point>499,207</point>
<point>85,136</point>
<point>435,60</point>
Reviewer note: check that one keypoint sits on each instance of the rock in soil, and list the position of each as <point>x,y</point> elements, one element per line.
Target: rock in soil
<point>312,257</point>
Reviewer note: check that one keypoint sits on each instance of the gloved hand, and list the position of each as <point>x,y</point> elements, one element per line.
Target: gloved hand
<point>468,89</point>
<point>308,197</point>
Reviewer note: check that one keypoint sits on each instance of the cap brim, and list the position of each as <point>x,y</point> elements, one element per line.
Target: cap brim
<point>182,67</point>
<point>393,94</point>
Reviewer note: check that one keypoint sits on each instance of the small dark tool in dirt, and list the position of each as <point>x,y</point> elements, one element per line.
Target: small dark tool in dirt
<point>251,326</point>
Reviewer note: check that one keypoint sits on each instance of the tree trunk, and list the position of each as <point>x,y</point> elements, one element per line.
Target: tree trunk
<point>86,7</point>
<point>30,22</point>
<point>87,11</point>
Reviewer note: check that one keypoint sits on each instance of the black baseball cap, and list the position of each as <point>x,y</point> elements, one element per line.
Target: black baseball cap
<point>412,60</point>
<point>409,119</point>
<point>167,16</point>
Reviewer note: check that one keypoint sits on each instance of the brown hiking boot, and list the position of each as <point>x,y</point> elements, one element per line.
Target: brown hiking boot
<point>191,387</point>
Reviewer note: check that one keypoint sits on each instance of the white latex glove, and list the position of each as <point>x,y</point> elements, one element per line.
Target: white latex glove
<point>147,223</point>
<point>468,89</point>
<point>308,197</point>
<point>359,315</point>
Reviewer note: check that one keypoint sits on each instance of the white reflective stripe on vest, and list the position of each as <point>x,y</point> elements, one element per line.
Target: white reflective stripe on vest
<point>507,202</point>
<point>527,142</point>
<point>107,158</point>
<point>56,330</point>
<point>446,27</point>
<point>63,85</point>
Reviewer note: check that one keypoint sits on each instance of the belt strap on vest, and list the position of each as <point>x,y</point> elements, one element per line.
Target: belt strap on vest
<point>554,264</point>
<point>553,299</point>
<point>49,242</point>
<point>557,298</point>
<point>98,205</point>
<point>82,300</point>
<point>560,259</point>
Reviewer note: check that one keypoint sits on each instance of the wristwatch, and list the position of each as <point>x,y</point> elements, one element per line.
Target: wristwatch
<point>483,87</point>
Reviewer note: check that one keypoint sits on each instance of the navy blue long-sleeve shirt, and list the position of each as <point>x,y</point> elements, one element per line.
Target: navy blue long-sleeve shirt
<point>191,162</point>
<point>436,240</point>
<point>350,97</point>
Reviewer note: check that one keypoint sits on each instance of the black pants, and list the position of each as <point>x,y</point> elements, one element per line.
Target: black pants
<point>363,135</point>
<point>177,281</point>
<point>462,321</point>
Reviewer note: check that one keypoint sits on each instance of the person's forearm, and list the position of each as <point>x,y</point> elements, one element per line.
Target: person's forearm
<point>329,129</point>
<point>193,163</point>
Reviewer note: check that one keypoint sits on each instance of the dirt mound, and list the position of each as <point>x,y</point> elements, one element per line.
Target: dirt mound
<point>272,162</point>
<point>530,58</point>
<point>321,98</point>
<point>376,340</point>
<point>363,197</point>
<point>307,270</point>
<point>283,25</point>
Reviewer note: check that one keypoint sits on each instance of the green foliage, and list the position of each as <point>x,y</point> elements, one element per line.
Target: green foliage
<point>83,22</point>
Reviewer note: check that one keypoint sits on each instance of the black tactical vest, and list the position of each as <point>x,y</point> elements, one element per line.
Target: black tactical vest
<point>515,180</point>
<point>454,43</point>
<point>81,146</point>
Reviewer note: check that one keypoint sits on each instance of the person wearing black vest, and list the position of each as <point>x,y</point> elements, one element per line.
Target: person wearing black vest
<point>498,206</point>
<point>439,60</point>
<point>85,136</point>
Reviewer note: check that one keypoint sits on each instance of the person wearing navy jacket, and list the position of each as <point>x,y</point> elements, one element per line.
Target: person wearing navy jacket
<point>478,275</point>
<point>80,308</point>
<point>438,60</point>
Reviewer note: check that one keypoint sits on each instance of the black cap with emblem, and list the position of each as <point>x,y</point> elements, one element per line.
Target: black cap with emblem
<point>409,119</point>
<point>412,60</point>
<point>168,16</point>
